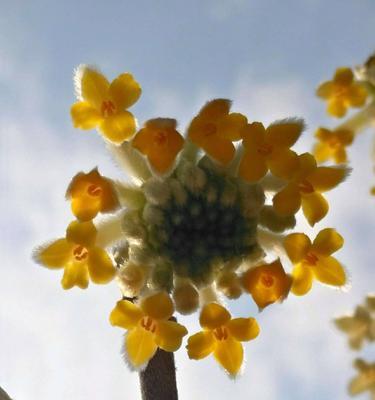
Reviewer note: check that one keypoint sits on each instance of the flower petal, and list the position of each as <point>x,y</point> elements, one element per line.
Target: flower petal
<point>253,135</point>
<point>325,90</point>
<point>158,306</point>
<point>54,255</point>
<point>283,163</point>
<point>75,274</point>
<point>200,345</point>
<point>336,107</point>
<point>100,266</point>
<point>85,208</point>
<point>140,346</point>
<point>230,126</point>
<point>327,241</point>
<point>302,279</point>
<point>297,246</point>
<point>83,233</point>
<point>229,354</point>
<point>126,314</point>
<point>169,335</point>
<point>221,150</point>
<point>213,315</point>
<point>288,200</point>
<point>326,178</point>
<point>85,116</point>
<point>343,76</point>
<point>243,329</point>
<point>357,95</point>
<point>124,91</point>
<point>329,271</point>
<point>94,86</point>
<point>253,166</point>
<point>284,133</point>
<point>322,152</point>
<point>315,207</point>
<point>215,109</point>
<point>118,127</point>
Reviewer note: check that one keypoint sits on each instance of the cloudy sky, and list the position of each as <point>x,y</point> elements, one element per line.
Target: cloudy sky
<point>268,56</point>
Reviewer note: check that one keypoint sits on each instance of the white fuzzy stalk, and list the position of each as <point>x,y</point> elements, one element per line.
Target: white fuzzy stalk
<point>110,230</point>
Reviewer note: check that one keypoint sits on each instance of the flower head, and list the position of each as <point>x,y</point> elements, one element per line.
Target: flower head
<point>306,187</point>
<point>102,104</point>
<point>342,92</point>
<point>365,380</point>
<point>149,327</point>
<point>215,128</point>
<point>314,260</point>
<point>78,255</point>
<point>222,336</point>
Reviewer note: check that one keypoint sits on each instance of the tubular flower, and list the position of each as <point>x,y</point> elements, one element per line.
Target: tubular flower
<point>306,187</point>
<point>90,194</point>
<point>160,142</point>
<point>332,145</point>
<point>222,336</point>
<point>267,283</point>
<point>314,260</point>
<point>342,92</point>
<point>215,128</point>
<point>365,380</point>
<point>149,327</point>
<point>269,149</point>
<point>102,104</point>
<point>79,256</point>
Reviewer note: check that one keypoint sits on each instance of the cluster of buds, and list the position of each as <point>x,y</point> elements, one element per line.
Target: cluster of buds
<point>205,218</point>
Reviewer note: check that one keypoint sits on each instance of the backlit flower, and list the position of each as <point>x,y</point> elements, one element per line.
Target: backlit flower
<point>103,105</point>
<point>306,187</point>
<point>148,326</point>
<point>215,128</point>
<point>222,336</point>
<point>365,380</point>
<point>342,92</point>
<point>314,260</point>
<point>79,256</point>
<point>269,149</point>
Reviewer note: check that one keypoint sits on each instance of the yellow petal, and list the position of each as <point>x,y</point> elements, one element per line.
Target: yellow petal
<point>325,90</point>
<point>54,255</point>
<point>288,200</point>
<point>126,314</point>
<point>336,107</point>
<point>75,274</point>
<point>322,152</point>
<point>118,127</point>
<point>253,166</point>
<point>229,354</point>
<point>326,178</point>
<point>94,86</point>
<point>283,163</point>
<point>83,233</point>
<point>284,133</point>
<point>140,346</point>
<point>343,76</point>
<point>357,95</point>
<point>213,315</point>
<point>124,91</point>
<point>169,335</point>
<point>85,208</point>
<point>243,329</point>
<point>340,156</point>
<point>327,242</point>
<point>302,279</point>
<point>297,246</point>
<point>221,150</point>
<point>215,109</point>
<point>200,345</point>
<point>84,115</point>
<point>329,271</point>
<point>253,135</point>
<point>230,126</point>
<point>158,306</point>
<point>307,164</point>
<point>100,266</point>
<point>315,207</point>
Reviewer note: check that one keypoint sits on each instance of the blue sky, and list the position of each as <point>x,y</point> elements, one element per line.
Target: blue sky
<point>268,57</point>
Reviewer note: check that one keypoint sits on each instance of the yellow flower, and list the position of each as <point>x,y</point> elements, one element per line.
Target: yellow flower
<point>365,380</point>
<point>103,104</point>
<point>160,142</point>
<point>269,149</point>
<point>90,194</point>
<point>306,187</point>
<point>214,129</point>
<point>267,283</point>
<point>332,145</point>
<point>314,260</point>
<point>222,336</point>
<point>148,327</point>
<point>79,257</point>
<point>342,92</point>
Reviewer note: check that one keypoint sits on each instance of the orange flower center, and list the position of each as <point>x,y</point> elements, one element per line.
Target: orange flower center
<point>160,138</point>
<point>148,323</point>
<point>265,149</point>
<point>311,258</point>
<point>221,333</point>
<point>108,108</point>
<point>267,280</point>
<point>341,91</point>
<point>305,187</point>
<point>94,190</point>
<point>334,143</point>
<point>209,129</point>
<point>80,253</point>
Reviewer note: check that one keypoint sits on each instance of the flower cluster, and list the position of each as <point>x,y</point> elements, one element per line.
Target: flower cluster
<point>200,222</point>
